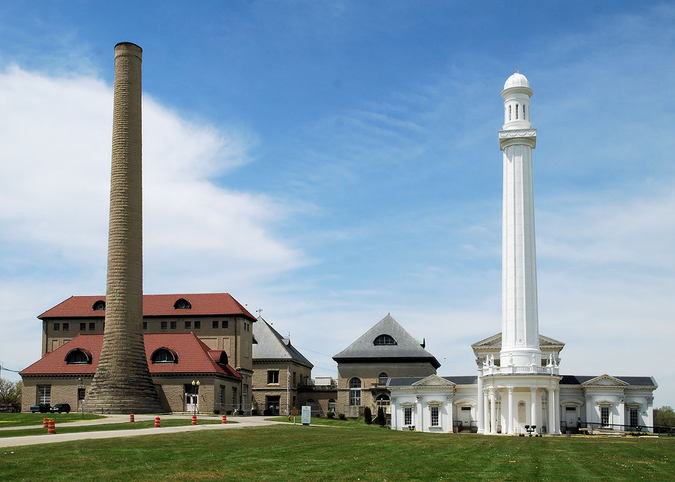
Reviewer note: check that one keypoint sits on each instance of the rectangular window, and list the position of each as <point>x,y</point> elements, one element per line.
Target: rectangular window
<point>214,324</point>
<point>221,400</point>
<point>198,325</point>
<point>407,416</point>
<point>226,324</point>
<point>145,325</point>
<point>44,393</point>
<point>80,394</point>
<point>188,325</point>
<point>293,379</point>
<point>272,376</point>
<point>56,326</point>
<point>604,416</point>
<point>92,326</point>
<point>66,326</point>
<point>355,397</point>
<point>163,325</point>
<point>234,398</point>
<point>83,326</point>
<point>174,325</point>
<point>434,416</point>
<point>633,417</point>
<point>244,397</point>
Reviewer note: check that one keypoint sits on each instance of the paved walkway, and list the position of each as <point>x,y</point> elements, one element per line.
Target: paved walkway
<point>242,422</point>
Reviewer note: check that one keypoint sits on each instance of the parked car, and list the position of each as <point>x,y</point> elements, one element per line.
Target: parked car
<point>42,408</point>
<point>60,407</point>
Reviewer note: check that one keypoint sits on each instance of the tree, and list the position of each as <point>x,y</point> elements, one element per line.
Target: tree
<point>368,415</point>
<point>10,393</point>
<point>664,417</point>
<point>381,419</point>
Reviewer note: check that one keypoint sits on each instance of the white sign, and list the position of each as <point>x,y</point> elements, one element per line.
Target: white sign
<point>306,415</point>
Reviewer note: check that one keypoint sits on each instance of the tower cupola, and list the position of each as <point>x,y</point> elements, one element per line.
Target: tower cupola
<point>516,95</point>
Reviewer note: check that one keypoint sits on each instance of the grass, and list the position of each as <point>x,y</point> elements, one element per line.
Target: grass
<point>104,427</point>
<point>25,419</point>
<point>346,451</point>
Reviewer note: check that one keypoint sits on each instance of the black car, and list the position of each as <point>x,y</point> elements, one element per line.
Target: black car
<point>42,408</point>
<point>60,408</point>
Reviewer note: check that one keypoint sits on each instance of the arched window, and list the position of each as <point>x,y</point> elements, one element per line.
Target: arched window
<point>516,111</point>
<point>99,306</point>
<point>384,340</point>
<point>355,392</point>
<point>163,355</point>
<point>78,356</point>
<point>382,378</point>
<point>182,304</point>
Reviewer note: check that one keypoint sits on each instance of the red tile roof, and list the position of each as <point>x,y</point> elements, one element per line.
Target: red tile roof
<point>193,356</point>
<point>154,305</point>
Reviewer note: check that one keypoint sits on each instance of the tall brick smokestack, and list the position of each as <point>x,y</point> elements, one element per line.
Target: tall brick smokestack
<point>122,381</point>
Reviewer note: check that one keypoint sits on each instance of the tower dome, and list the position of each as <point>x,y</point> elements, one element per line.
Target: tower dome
<point>516,80</point>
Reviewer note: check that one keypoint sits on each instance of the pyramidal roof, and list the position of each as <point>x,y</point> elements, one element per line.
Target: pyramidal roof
<point>272,346</point>
<point>365,349</point>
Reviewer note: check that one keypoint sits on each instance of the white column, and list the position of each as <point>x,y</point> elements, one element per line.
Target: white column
<point>533,409</point>
<point>486,411</point>
<point>551,411</point>
<point>493,412</point>
<point>622,412</point>
<point>450,409</point>
<point>479,409</point>
<point>394,410</point>
<point>510,429</point>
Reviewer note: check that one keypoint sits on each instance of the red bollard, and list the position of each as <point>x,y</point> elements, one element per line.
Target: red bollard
<point>131,418</point>
<point>194,420</point>
<point>45,423</point>
<point>52,427</point>
<point>157,421</point>
<point>224,418</point>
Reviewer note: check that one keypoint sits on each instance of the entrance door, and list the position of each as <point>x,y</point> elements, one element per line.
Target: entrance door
<point>465,417</point>
<point>191,402</point>
<point>272,405</point>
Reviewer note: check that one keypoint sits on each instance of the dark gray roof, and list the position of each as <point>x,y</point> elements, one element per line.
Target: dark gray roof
<point>364,349</point>
<point>408,381</point>
<point>633,381</point>
<point>272,346</point>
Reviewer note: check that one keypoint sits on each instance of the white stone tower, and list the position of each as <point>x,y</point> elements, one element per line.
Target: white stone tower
<point>520,324</point>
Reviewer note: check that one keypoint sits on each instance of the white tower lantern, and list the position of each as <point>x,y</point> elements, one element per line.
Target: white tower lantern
<point>520,323</point>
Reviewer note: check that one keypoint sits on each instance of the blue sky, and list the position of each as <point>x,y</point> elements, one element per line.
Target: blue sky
<point>332,162</point>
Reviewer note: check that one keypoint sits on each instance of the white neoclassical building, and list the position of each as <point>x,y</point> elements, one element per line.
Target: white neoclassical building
<point>518,383</point>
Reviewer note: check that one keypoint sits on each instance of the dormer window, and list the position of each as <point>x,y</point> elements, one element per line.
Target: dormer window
<point>163,355</point>
<point>182,304</point>
<point>384,340</point>
<point>99,306</point>
<point>78,356</point>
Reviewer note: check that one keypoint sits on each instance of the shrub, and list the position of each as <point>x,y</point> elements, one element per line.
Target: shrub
<point>381,418</point>
<point>341,416</point>
<point>367,415</point>
<point>254,412</point>
<point>216,411</point>
<point>330,414</point>
<point>228,412</point>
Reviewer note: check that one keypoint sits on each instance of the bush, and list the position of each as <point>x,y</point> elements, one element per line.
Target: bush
<point>367,415</point>
<point>254,412</point>
<point>330,414</point>
<point>216,411</point>
<point>341,416</point>
<point>228,412</point>
<point>381,418</point>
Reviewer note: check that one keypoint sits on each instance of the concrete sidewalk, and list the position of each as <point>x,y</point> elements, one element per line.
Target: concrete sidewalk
<point>242,422</point>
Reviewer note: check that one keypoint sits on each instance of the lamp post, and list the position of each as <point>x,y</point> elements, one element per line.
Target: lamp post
<point>195,400</point>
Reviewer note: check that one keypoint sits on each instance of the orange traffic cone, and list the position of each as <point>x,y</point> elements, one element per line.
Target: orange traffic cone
<point>45,423</point>
<point>157,419</point>
<point>224,418</point>
<point>52,427</point>
<point>131,418</point>
<point>194,420</point>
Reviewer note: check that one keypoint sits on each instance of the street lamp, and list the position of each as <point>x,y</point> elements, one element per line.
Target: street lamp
<point>195,400</point>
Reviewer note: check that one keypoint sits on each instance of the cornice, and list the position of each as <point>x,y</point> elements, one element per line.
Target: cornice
<point>517,136</point>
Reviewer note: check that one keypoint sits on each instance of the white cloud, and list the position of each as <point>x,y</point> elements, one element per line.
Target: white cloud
<point>55,134</point>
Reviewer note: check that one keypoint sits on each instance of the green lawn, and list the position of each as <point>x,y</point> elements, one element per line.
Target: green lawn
<point>24,419</point>
<point>349,451</point>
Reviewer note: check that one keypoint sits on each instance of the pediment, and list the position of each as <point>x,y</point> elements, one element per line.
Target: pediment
<point>433,381</point>
<point>605,381</point>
